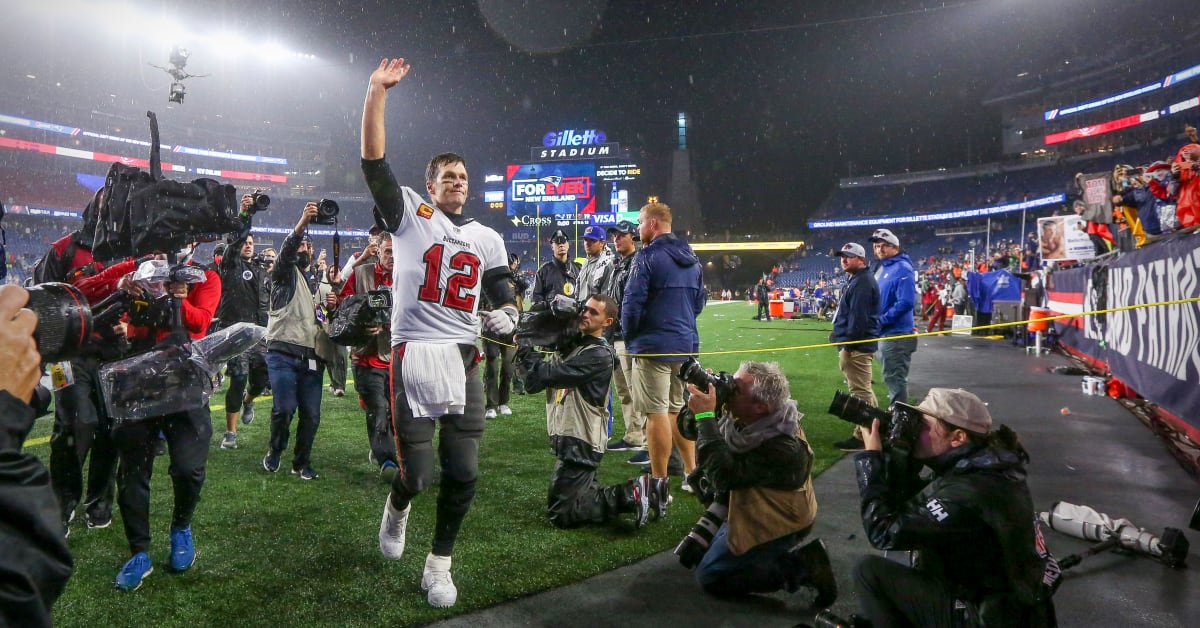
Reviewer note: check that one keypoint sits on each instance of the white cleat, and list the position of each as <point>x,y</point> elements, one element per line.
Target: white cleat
<point>391,530</point>
<point>437,583</point>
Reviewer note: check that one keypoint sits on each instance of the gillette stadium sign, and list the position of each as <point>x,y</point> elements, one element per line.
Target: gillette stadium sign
<point>575,144</point>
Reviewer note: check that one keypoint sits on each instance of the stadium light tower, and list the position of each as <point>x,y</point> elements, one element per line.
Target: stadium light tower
<point>681,121</point>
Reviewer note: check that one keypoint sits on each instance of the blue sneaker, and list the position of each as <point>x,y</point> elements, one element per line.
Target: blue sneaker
<point>388,471</point>
<point>183,553</point>
<point>134,572</point>
<point>270,462</point>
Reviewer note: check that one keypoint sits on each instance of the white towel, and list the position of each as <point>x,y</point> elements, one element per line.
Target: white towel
<point>435,381</point>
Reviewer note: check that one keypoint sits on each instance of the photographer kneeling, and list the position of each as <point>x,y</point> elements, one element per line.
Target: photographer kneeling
<point>973,525</point>
<point>581,370</point>
<point>756,460</point>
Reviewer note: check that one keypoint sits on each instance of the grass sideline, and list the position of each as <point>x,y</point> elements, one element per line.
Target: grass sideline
<point>275,549</point>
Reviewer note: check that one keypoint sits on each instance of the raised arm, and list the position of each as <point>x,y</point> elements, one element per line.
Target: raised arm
<point>386,76</point>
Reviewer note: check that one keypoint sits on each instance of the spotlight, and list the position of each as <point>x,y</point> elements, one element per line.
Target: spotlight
<point>179,57</point>
<point>177,93</point>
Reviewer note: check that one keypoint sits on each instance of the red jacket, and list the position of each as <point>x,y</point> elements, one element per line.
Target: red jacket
<point>197,309</point>
<point>383,279</point>
<point>1188,207</point>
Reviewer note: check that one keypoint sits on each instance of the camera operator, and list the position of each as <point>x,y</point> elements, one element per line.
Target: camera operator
<point>581,370</point>
<point>187,434</point>
<point>34,557</point>
<point>757,461</point>
<point>372,361</point>
<point>241,290</point>
<point>972,525</point>
<point>294,368</point>
<point>81,423</point>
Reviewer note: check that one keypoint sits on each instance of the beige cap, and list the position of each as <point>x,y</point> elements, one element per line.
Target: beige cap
<point>956,407</point>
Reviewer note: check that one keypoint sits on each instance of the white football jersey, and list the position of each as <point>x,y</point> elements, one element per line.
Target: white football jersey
<point>437,276</point>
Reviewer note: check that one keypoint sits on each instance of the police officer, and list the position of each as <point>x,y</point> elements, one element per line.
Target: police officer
<point>973,525</point>
<point>558,276</point>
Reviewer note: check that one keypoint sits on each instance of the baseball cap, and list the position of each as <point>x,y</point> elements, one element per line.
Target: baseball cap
<point>625,227</point>
<point>956,407</point>
<point>852,249</point>
<point>594,232</point>
<point>885,235</point>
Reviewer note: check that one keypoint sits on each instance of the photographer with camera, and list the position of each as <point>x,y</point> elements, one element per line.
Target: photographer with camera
<point>581,370</point>
<point>294,368</point>
<point>753,462</point>
<point>82,426</point>
<point>185,312</point>
<point>34,556</point>
<point>372,360</point>
<point>972,526</point>
<point>241,289</point>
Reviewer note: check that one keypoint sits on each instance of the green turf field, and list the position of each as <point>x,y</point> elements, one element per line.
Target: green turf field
<point>274,549</point>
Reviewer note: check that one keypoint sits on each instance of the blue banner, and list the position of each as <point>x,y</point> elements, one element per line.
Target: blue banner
<point>1155,350</point>
<point>551,188</point>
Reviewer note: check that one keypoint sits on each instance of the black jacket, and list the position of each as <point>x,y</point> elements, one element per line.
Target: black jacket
<point>555,278</point>
<point>782,462</point>
<point>973,524</point>
<point>35,561</point>
<point>241,286</point>
<point>615,288</point>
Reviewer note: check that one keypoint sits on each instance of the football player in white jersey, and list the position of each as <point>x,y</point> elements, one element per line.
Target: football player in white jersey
<point>444,263</point>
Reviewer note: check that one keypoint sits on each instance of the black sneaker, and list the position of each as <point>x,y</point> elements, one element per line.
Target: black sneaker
<point>623,445</point>
<point>811,567</point>
<point>99,520</point>
<point>641,498</point>
<point>850,444</point>
<point>662,495</point>
<point>640,458</point>
<point>306,473</point>
<point>271,462</point>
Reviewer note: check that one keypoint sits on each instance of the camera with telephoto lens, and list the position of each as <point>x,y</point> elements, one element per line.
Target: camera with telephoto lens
<point>64,320</point>
<point>548,325</point>
<point>259,202</point>
<point>898,427</point>
<point>695,545</point>
<point>327,212</point>
<point>694,374</point>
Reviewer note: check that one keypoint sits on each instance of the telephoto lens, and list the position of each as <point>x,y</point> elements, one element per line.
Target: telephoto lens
<point>695,545</point>
<point>64,320</point>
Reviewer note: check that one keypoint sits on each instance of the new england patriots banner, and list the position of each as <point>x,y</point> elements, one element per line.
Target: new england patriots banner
<point>1155,350</point>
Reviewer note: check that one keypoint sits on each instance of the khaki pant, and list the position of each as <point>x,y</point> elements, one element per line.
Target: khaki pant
<point>657,388</point>
<point>635,422</point>
<point>856,366</point>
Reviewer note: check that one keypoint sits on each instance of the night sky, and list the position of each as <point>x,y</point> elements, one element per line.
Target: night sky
<point>784,96</point>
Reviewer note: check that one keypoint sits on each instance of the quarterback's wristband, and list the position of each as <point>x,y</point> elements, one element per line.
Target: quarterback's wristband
<point>705,415</point>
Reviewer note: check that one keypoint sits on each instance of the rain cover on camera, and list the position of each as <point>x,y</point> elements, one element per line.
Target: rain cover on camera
<point>172,379</point>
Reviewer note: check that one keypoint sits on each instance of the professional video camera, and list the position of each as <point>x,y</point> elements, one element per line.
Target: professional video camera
<point>143,213</point>
<point>548,325</point>
<point>327,212</point>
<point>155,307</point>
<point>175,378</point>
<point>357,314</point>
<point>898,427</point>
<point>694,374</point>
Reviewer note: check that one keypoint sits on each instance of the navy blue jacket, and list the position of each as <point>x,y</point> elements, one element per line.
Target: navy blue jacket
<point>897,295</point>
<point>857,315</point>
<point>664,296</point>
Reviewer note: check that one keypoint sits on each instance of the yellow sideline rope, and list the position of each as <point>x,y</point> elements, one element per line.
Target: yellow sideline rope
<point>1123,308</point>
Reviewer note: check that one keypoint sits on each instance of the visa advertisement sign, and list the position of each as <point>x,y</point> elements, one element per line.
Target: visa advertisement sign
<point>551,188</point>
